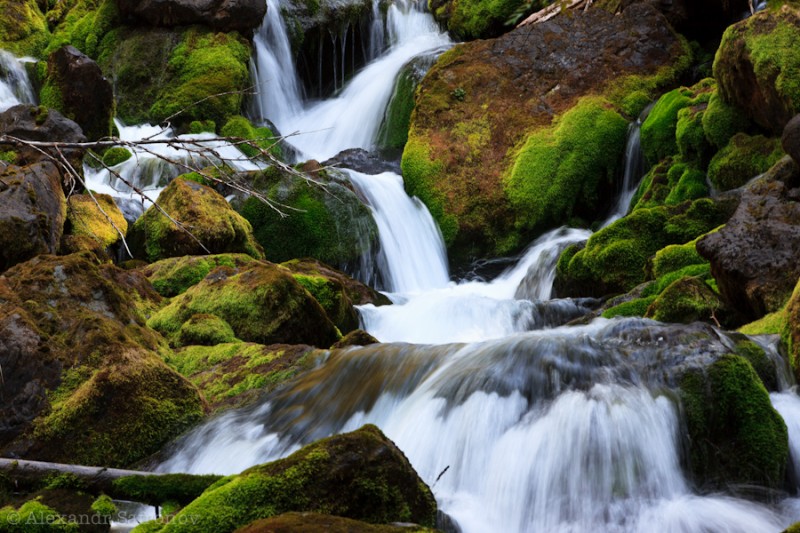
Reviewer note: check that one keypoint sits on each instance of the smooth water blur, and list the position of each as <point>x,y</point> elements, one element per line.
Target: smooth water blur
<point>15,87</point>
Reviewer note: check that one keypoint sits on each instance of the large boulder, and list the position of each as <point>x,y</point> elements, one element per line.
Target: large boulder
<point>23,28</point>
<point>492,105</point>
<point>32,123</point>
<point>174,275</point>
<point>221,15</point>
<point>261,302</point>
<point>76,86</point>
<point>756,67</point>
<point>206,224</point>
<point>360,475</point>
<point>94,222</point>
<point>83,381</point>
<point>32,211</point>
<point>754,256</point>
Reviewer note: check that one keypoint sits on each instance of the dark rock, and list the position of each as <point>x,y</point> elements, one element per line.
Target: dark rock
<point>754,256</point>
<point>222,15</point>
<point>362,161</point>
<point>754,63</point>
<point>360,475</point>
<point>32,212</point>
<point>790,141</point>
<point>33,123</point>
<point>699,19</point>
<point>312,522</point>
<point>357,337</point>
<point>80,91</point>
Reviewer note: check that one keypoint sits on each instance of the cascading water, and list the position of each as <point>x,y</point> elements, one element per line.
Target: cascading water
<point>15,87</point>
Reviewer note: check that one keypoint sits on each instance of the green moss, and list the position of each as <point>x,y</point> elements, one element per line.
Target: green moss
<point>742,159</point>
<point>204,330</point>
<point>203,211</point>
<point>689,135</point>
<point>23,29</point>
<point>658,130</point>
<point>689,184</point>
<point>761,363</point>
<point>420,172</point>
<point>173,276</point>
<point>263,303</point>
<point>393,132</point>
<point>263,138</point>
<point>332,297</point>
<point>475,19</point>
<point>116,155</point>
<point>231,375</point>
<point>85,219</point>
<point>34,517</point>
<point>83,24</point>
<point>722,121</point>
<point>358,475</point>
<point>103,506</point>
<point>700,270</point>
<point>157,489</point>
<point>771,324</point>
<point>9,156</point>
<point>675,257</point>
<point>635,307</point>
<point>202,126</point>
<point>735,436</point>
<point>561,171</point>
<point>685,300</point>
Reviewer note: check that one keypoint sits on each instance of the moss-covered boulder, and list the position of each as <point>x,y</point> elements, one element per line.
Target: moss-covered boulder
<point>685,300</point>
<point>357,337</point>
<point>756,67</point>
<point>475,19</point>
<point>670,182</point>
<point>744,158</point>
<point>174,275</point>
<point>326,221</point>
<point>262,302</point>
<point>615,259</point>
<point>754,257</point>
<point>93,222</point>
<point>84,381</point>
<point>32,211</point>
<point>360,475</point>
<point>507,107</point>
<point>23,28</point>
<point>204,74</point>
<point>76,87</point>
<point>235,374</point>
<point>735,438</point>
<point>311,522</point>
<point>220,15</point>
<point>37,517</point>
<point>208,224</point>
<point>792,328</point>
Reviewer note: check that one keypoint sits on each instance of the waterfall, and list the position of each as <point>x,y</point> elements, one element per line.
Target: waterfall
<point>634,168</point>
<point>15,87</point>
<point>562,430</point>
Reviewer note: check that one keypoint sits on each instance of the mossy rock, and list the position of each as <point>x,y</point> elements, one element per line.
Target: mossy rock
<point>671,182</point>
<point>172,276</point>
<point>476,19</point>
<point>262,303</point>
<point>35,517</point>
<point>157,489</point>
<point>615,258</point>
<point>107,397</point>
<point>23,28</point>
<point>736,438</point>
<point>675,257</point>
<point>357,337</point>
<point>327,222</point>
<point>215,227</point>
<point>360,475</point>
<point>116,155</point>
<point>236,374</point>
<point>393,133</point>
<point>722,121</point>
<point>83,24</point>
<point>357,292</point>
<point>568,170</point>
<point>757,68</point>
<point>742,159</point>
<point>204,330</point>
<point>85,219</point>
<point>313,522</point>
<point>686,300</point>
<point>793,333</point>
<point>262,137</point>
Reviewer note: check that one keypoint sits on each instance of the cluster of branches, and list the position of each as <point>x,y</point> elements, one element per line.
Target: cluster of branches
<point>203,158</point>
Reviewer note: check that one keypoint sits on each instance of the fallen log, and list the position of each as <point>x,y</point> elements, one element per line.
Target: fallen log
<point>144,487</point>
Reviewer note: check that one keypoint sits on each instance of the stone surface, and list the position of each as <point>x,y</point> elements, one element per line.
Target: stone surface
<point>754,257</point>
<point>33,123</point>
<point>79,90</point>
<point>790,140</point>
<point>222,15</point>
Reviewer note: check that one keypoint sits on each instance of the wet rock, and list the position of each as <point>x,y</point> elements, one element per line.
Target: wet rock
<point>76,86</point>
<point>174,275</point>
<point>790,141</point>
<point>357,337</point>
<point>261,302</point>
<point>754,66</point>
<point>243,16</point>
<point>754,256</point>
<point>310,522</point>
<point>209,225</point>
<point>360,475</point>
<point>33,123</point>
<point>362,161</point>
<point>83,380</point>
<point>32,212</point>
<point>490,105</point>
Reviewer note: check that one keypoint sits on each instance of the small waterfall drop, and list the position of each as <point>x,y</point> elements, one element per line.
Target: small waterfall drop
<point>15,87</point>
<point>634,168</point>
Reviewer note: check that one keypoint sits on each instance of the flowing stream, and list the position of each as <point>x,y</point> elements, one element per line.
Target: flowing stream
<point>15,87</point>
<point>517,422</point>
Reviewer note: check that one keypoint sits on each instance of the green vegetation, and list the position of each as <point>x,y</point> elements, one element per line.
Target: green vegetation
<point>476,19</point>
<point>204,330</point>
<point>84,218</point>
<point>157,489</point>
<point>83,24</point>
<point>685,300</point>
<point>262,137</point>
<point>735,436</point>
<point>103,506</point>
<point>562,171</point>
<point>23,29</point>
<point>393,133</point>
<point>359,475</point>
<point>34,517</point>
<point>116,155</point>
<point>174,275</point>
<point>721,121</point>
<point>742,159</point>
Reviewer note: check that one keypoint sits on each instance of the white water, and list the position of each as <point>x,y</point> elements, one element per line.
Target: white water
<point>15,87</point>
<point>352,119</point>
